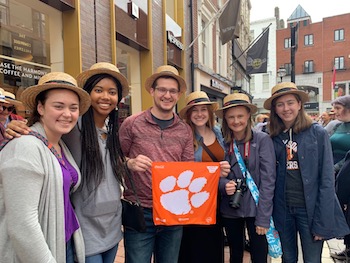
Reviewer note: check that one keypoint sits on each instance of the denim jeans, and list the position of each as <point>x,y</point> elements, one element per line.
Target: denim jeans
<point>104,257</point>
<point>297,221</point>
<point>70,251</point>
<point>163,241</point>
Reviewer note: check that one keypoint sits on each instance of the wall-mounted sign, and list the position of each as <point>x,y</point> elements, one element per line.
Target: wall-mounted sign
<point>172,39</point>
<point>22,46</point>
<point>216,84</point>
<point>22,71</point>
<point>133,10</point>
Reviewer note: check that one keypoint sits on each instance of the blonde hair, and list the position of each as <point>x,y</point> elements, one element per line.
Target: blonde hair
<point>228,134</point>
<point>301,123</point>
<point>210,123</point>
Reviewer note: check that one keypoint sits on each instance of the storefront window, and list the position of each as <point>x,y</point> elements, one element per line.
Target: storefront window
<point>24,47</point>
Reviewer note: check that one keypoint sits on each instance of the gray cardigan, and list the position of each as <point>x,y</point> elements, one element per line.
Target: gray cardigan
<point>31,203</point>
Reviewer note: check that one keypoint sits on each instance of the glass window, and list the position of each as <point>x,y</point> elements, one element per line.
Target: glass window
<point>339,62</point>
<point>339,35</point>
<point>287,43</point>
<point>308,66</point>
<point>204,43</point>
<point>252,84</point>
<point>288,67</point>
<point>266,82</point>
<point>308,40</point>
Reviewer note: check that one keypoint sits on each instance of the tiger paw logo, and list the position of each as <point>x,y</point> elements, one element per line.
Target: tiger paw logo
<point>189,195</point>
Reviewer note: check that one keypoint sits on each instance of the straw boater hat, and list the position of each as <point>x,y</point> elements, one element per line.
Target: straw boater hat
<point>10,98</point>
<point>2,95</point>
<point>236,99</point>
<point>166,70</point>
<point>104,68</point>
<point>285,88</point>
<point>197,98</point>
<point>57,80</point>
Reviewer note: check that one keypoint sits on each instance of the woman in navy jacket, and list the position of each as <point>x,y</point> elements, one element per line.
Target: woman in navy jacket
<point>304,200</point>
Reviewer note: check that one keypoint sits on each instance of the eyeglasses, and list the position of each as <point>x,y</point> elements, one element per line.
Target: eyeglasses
<point>9,109</point>
<point>163,91</point>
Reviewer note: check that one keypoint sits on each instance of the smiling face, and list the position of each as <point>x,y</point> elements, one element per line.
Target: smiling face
<point>199,115</point>
<point>5,110</point>
<point>104,98</point>
<point>237,120</point>
<point>59,113</point>
<point>165,96</point>
<point>287,107</point>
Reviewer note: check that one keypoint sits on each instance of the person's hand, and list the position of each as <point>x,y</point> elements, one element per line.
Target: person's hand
<point>316,238</point>
<point>16,128</point>
<point>224,168</point>
<point>230,187</point>
<point>261,230</point>
<point>139,164</point>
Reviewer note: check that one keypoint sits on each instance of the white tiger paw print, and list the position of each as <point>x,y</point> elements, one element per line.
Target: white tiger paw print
<point>180,202</point>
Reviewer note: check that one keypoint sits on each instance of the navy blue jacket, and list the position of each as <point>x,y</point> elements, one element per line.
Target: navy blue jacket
<point>325,217</point>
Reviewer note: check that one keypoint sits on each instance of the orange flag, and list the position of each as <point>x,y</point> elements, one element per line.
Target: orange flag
<point>185,192</point>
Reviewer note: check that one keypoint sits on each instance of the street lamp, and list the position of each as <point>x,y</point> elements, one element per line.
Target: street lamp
<point>281,72</point>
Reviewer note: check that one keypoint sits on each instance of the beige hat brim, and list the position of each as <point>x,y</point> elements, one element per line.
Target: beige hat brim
<point>213,104</point>
<point>13,102</point>
<point>304,97</point>
<point>253,109</point>
<point>85,75</point>
<point>29,95</point>
<point>149,81</point>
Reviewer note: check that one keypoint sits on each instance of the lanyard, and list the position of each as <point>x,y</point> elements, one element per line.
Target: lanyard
<point>250,182</point>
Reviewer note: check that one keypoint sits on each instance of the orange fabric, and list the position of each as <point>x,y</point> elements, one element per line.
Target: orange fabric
<point>185,193</point>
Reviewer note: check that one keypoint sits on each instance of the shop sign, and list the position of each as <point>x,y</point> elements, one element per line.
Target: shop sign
<point>311,106</point>
<point>22,45</point>
<point>172,39</point>
<point>216,84</point>
<point>10,69</point>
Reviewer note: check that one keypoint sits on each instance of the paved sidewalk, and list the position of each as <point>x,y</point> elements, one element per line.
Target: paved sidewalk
<point>333,245</point>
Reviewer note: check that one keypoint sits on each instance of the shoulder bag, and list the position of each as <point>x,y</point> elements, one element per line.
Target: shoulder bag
<point>132,216</point>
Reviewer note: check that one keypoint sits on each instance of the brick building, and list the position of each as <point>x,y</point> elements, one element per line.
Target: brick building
<point>319,47</point>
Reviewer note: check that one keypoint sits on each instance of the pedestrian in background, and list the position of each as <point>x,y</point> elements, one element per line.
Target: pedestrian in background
<point>340,141</point>
<point>304,200</point>
<point>340,138</point>
<point>156,134</point>
<point>37,174</point>
<point>8,109</point>
<point>238,208</point>
<point>204,243</point>
<point>95,146</point>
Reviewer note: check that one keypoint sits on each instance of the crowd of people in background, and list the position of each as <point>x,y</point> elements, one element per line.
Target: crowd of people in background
<point>64,171</point>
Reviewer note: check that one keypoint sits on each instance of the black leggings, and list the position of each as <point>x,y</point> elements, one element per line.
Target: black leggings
<point>235,231</point>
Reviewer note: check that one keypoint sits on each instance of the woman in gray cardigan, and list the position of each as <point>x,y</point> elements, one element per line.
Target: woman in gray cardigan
<point>37,174</point>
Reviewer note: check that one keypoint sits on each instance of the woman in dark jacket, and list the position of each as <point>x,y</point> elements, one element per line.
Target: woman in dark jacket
<point>304,200</point>
<point>257,150</point>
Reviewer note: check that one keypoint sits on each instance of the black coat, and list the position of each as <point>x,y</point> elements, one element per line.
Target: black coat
<point>343,185</point>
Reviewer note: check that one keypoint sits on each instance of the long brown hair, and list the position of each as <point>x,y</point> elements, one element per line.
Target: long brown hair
<point>228,134</point>
<point>301,123</point>
<point>210,122</point>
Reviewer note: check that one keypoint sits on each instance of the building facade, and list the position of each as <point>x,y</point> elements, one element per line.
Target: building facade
<point>215,68</point>
<point>319,48</point>
<point>43,36</point>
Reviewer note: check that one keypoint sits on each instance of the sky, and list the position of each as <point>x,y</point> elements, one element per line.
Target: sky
<point>316,9</point>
